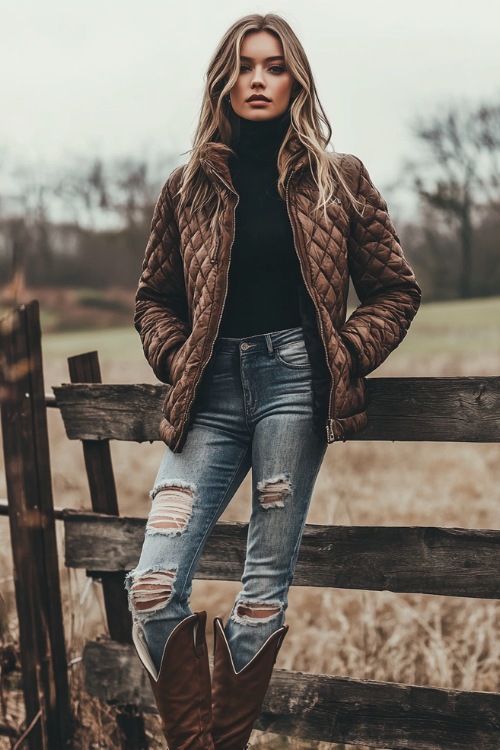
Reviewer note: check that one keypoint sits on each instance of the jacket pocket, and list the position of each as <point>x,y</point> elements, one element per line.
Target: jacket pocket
<point>352,397</point>
<point>174,360</point>
<point>351,393</point>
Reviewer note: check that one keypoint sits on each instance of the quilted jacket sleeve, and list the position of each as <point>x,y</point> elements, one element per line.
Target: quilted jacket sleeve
<point>384,282</point>
<point>161,313</point>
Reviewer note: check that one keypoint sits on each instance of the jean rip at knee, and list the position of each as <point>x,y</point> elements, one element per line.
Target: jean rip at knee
<point>150,590</point>
<point>274,491</point>
<point>171,508</point>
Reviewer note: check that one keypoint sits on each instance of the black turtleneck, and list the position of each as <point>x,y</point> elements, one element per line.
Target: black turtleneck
<point>264,272</point>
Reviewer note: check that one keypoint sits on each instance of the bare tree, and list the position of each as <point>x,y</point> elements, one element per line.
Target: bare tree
<point>81,223</point>
<point>25,232</point>
<point>85,188</point>
<point>459,177</point>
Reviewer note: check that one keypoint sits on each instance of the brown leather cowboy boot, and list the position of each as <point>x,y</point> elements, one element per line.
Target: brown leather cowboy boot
<point>182,686</point>
<point>237,697</point>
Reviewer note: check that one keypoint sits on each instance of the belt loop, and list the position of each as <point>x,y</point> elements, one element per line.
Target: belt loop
<point>269,343</point>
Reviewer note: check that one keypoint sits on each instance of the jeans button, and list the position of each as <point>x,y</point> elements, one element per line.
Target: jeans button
<point>245,346</point>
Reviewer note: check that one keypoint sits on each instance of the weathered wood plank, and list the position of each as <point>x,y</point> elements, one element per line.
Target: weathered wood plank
<point>328,708</point>
<point>435,409</point>
<point>120,412</point>
<point>429,560</point>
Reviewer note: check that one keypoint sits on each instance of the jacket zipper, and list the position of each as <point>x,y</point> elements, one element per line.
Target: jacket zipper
<point>329,424</point>
<point>186,413</point>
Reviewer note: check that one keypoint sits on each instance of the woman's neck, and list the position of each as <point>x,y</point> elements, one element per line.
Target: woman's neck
<point>260,139</point>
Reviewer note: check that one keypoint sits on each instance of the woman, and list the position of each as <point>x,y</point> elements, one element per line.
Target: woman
<point>241,308</point>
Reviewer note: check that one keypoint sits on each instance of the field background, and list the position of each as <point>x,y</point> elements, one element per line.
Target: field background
<point>420,639</point>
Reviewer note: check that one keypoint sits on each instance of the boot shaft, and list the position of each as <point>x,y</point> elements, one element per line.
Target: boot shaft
<point>237,697</point>
<point>181,687</point>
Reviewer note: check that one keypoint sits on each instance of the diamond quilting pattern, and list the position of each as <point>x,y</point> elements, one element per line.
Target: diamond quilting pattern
<point>180,293</point>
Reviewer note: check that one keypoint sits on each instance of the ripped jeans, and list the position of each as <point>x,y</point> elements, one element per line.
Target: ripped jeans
<point>253,410</point>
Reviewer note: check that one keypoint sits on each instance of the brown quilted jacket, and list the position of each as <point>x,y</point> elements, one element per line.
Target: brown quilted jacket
<point>183,286</point>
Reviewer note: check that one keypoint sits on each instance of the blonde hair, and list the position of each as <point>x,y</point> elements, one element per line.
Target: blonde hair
<point>304,137</point>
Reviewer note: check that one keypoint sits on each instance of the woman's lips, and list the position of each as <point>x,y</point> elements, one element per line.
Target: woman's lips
<point>258,102</point>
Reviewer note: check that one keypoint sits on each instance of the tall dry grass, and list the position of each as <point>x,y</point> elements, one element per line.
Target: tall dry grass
<point>419,639</point>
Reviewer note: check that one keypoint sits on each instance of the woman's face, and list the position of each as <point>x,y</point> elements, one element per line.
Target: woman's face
<point>262,73</point>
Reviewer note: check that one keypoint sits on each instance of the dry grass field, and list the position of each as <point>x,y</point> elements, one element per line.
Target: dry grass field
<point>420,639</point>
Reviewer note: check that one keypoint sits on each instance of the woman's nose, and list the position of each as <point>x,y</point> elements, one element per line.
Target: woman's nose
<point>257,77</point>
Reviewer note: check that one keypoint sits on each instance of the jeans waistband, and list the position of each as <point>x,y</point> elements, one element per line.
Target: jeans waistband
<point>260,342</point>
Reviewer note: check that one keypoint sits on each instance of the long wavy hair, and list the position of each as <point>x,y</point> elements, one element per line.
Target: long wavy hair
<point>308,134</point>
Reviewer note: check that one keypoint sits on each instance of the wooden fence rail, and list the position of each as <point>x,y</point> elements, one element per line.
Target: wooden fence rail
<point>425,560</point>
<point>434,409</point>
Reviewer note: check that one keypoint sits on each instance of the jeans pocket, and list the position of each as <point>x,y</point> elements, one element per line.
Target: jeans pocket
<point>293,355</point>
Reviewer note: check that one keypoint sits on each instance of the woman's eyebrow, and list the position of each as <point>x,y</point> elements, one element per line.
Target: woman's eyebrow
<point>267,59</point>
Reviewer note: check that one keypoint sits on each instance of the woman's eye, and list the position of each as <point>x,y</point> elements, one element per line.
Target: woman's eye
<point>273,68</point>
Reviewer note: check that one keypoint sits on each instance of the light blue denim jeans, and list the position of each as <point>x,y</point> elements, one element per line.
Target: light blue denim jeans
<point>253,410</point>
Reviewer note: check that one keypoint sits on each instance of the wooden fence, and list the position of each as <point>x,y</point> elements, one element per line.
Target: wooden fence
<point>429,560</point>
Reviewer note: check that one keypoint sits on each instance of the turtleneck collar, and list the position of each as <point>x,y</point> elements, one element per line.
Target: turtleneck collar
<point>260,139</point>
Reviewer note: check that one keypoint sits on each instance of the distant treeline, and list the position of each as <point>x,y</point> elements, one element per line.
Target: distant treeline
<point>73,256</point>
<point>452,242</point>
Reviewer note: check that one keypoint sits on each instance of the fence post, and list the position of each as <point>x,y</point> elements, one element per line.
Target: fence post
<point>85,368</point>
<point>33,534</point>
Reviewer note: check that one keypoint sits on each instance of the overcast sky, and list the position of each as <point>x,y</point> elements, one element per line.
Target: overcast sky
<point>125,78</point>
